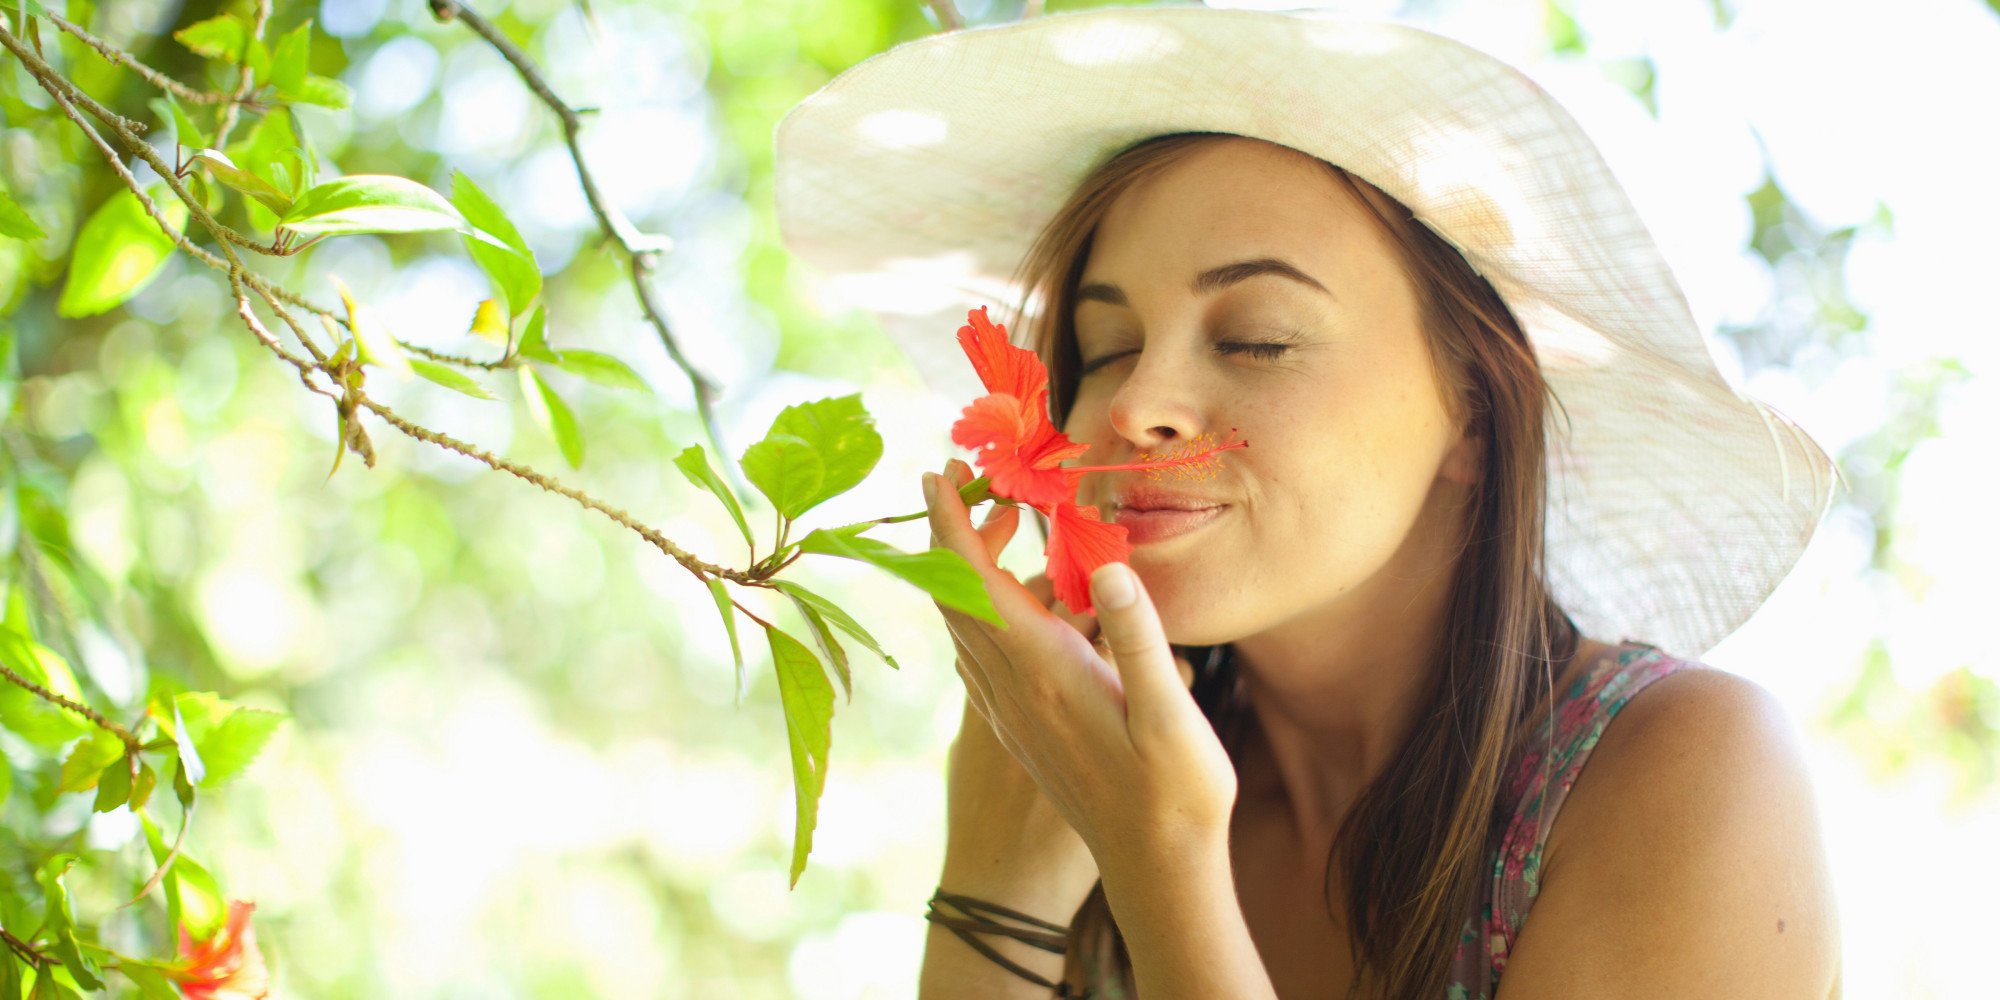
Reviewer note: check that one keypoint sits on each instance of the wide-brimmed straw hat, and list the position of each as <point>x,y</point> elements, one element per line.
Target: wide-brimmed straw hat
<point>915,181</point>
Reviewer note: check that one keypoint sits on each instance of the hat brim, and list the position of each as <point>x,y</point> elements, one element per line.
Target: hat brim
<point>916,180</point>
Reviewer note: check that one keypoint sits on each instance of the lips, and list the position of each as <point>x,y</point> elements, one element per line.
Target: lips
<point>1158,524</point>
<point>1139,496</point>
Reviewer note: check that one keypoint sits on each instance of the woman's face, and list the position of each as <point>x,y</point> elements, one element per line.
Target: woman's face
<point>1354,466</point>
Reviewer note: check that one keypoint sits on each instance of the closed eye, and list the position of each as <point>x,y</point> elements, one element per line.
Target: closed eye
<point>1266,350</point>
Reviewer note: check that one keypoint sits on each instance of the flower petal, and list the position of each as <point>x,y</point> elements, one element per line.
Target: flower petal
<point>1002,367</point>
<point>1018,449</point>
<point>1079,543</point>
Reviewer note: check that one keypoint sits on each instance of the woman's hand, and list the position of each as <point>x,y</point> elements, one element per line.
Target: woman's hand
<point>1111,739</point>
<point>1005,843</point>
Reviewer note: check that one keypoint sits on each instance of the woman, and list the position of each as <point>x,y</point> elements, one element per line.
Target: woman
<point>1376,786</point>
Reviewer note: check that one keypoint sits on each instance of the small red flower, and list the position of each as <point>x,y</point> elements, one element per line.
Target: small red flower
<point>1022,453</point>
<point>226,966</point>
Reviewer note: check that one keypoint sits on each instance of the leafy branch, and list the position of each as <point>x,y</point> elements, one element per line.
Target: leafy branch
<point>813,451</point>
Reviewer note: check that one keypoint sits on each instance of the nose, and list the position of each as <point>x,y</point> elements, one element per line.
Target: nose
<point>1157,405</point>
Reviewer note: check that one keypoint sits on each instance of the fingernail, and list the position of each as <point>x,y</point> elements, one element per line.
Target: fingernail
<point>930,487</point>
<point>1112,586</point>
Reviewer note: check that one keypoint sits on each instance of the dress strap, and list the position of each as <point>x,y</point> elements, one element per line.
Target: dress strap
<point>1549,768</point>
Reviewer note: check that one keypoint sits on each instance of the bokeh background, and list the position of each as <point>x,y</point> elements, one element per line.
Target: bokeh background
<point>517,765</point>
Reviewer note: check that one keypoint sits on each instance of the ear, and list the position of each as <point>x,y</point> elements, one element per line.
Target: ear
<point>1464,464</point>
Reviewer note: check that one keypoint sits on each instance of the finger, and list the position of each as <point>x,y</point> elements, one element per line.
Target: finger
<point>951,528</point>
<point>1155,697</point>
<point>997,529</point>
<point>1045,591</point>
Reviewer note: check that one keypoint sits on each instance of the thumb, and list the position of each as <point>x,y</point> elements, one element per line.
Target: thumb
<point>1156,699</point>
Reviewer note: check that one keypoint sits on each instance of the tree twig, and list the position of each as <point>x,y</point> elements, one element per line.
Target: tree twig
<point>114,54</point>
<point>947,14</point>
<point>132,744</point>
<point>616,227</point>
<point>659,541</point>
<point>27,951</point>
<point>69,98</point>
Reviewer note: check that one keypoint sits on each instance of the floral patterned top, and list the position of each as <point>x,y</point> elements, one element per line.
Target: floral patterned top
<point>1539,783</point>
<point>1538,787</point>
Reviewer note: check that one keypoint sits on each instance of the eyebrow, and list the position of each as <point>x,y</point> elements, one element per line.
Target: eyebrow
<point>1210,281</point>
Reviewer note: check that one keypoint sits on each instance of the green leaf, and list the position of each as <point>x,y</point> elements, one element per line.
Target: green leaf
<point>153,984</point>
<point>829,647</point>
<point>490,321</point>
<point>272,150</point>
<point>532,343</point>
<point>142,790</point>
<point>170,882</point>
<point>511,265</point>
<point>290,60</point>
<point>722,604</point>
<point>807,698</point>
<point>59,922</point>
<point>227,736</point>
<point>87,760</point>
<point>216,38</point>
<point>941,573</point>
<point>186,132</point>
<point>242,181</point>
<point>601,368</point>
<point>194,900</point>
<point>838,617</point>
<point>554,415</point>
<point>325,92</point>
<point>373,341</point>
<point>118,252</point>
<point>14,220</point>
<point>450,378</point>
<point>842,434</point>
<point>10,976</point>
<point>189,768</point>
<point>35,719</point>
<point>693,463</point>
<point>787,470</point>
<point>257,56</point>
<point>370,203</point>
<point>114,785</point>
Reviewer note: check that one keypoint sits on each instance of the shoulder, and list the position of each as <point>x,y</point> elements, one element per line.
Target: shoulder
<point>1688,853</point>
<point>1686,747</point>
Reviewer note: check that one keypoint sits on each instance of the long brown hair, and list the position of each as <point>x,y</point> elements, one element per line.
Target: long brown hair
<point>1413,846</point>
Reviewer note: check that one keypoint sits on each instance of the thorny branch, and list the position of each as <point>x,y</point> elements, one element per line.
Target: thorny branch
<point>614,223</point>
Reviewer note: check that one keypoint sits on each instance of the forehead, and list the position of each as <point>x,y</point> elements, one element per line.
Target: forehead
<point>1226,200</point>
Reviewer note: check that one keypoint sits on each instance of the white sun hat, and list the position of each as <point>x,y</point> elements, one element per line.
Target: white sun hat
<point>915,181</point>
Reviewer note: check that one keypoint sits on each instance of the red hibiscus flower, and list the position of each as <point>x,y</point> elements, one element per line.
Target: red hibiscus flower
<point>226,966</point>
<point>1022,453</point>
